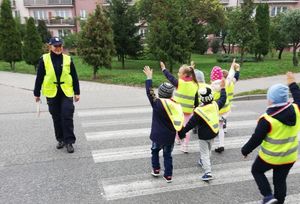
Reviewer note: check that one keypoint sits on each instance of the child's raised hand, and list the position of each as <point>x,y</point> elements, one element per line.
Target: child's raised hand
<point>148,72</point>
<point>193,64</point>
<point>290,78</point>
<point>222,84</point>
<point>236,67</point>
<point>162,66</point>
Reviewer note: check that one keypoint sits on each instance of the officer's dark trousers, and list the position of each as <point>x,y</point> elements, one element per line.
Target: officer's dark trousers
<point>280,173</point>
<point>62,109</point>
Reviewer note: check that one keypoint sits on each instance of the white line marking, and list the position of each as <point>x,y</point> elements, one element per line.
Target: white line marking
<point>114,111</point>
<point>137,152</point>
<point>140,185</point>
<point>289,199</point>
<point>145,132</point>
<point>145,109</point>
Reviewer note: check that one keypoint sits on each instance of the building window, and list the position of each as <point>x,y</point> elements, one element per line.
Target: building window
<point>17,13</point>
<point>277,10</point>
<point>83,14</point>
<point>63,32</point>
<point>62,13</point>
<point>39,15</point>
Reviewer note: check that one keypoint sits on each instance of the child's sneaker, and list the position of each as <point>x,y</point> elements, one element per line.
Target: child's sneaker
<point>184,148</point>
<point>177,141</point>
<point>269,200</point>
<point>155,172</point>
<point>168,179</point>
<point>200,163</point>
<point>207,176</point>
<point>219,149</point>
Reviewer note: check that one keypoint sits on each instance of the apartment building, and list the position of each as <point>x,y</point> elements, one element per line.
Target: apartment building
<point>63,16</point>
<point>276,6</point>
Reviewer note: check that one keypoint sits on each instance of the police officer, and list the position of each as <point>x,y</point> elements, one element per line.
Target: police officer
<point>57,77</point>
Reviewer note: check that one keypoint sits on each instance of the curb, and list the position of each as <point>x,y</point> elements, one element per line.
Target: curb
<point>250,97</point>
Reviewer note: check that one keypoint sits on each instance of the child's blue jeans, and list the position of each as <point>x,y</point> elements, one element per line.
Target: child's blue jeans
<point>167,154</point>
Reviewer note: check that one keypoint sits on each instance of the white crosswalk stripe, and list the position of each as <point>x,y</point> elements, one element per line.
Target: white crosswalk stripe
<point>144,132</point>
<point>137,185</point>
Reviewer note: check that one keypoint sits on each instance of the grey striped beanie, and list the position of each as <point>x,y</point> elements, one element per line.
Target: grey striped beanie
<point>165,90</point>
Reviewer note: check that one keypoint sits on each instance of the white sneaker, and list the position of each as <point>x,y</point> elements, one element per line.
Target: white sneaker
<point>177,141</point>
<point>184,148</point>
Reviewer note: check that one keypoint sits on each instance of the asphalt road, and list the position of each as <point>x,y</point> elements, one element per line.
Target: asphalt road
<point>111,163</point>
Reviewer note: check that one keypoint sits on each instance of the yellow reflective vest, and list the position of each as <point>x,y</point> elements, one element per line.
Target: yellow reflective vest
<point>174,112</point>
<point>281,144</point>
<point>229,90</point>
<point>50,83</point>
<point>210,114</point>
<point>185,95</point>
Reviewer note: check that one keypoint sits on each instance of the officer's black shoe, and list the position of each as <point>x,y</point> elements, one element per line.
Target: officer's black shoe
<point>60,145</point>
<point>70,148</point>
<point>219,149</point>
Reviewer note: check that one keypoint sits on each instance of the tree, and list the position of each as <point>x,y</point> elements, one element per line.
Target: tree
<point>262,20</point>
<point>10,47</point>
<point>215,45</point>
<point>95,43</point>
<point>43,31</point>
<point>32,49</point>
<point>277,35</point>
<point>290,24</point>
<point>126,38</point>
<point>242,27</point>
<point>168,37</point>
<point>200,42</point>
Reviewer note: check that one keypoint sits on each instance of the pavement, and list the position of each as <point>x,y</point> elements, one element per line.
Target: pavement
<point>123,95</point>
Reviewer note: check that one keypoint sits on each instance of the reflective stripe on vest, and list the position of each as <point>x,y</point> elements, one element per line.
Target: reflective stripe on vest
<point>185,95</point>
<point>210,114</point>
<point>227,104</point>
<point>174,111</point>
<point>50,83</point>
<point>229,92</point>
<point>281,145</point>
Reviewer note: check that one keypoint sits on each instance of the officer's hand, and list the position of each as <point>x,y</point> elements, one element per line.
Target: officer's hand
<point>37,99</point>
<point>76,98</point>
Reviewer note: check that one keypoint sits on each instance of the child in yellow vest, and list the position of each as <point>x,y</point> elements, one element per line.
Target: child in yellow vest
<point>231,78</point>
<point>206,118</point>
<point>186,94</point>
<point>167,118</point>
<point>277,133</point>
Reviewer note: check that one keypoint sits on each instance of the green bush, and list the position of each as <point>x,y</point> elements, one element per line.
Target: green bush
<point>229,58</point>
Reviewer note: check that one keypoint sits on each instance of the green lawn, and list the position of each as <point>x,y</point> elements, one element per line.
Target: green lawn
<point>134,76</point>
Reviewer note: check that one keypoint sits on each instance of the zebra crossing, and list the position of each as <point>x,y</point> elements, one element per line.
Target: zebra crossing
<point>120,138</point>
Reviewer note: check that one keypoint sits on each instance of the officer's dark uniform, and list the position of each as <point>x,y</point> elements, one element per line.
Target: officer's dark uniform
<point>60,107</point>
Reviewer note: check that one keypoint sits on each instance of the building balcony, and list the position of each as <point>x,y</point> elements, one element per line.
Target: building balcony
<point>274,1</point>
<point>224,1</point>
<point>56,22</point>
<point>48,3</point>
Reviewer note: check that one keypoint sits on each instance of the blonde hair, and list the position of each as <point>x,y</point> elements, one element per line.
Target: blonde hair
<point>189,71</point>
<point>225,73</point>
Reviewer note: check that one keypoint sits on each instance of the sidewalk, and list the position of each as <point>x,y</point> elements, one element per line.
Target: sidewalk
<point>97,95</point>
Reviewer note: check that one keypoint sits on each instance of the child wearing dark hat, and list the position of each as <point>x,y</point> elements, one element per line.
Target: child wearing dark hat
<point>206,118</point>
<point>167,118</point>
<point>277,134</point>
<point>186,87</point>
